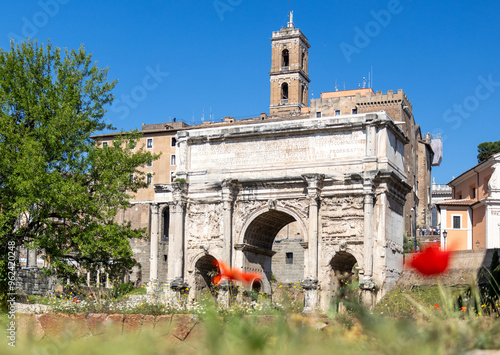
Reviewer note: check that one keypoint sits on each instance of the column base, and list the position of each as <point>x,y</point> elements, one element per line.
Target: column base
<point>311,295</point>
<point>368,292</point>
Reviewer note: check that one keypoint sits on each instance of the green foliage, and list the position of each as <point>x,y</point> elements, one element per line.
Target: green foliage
<point>58,191</point>
<point>486,149</point>
<point>181,180</point>
<point>121,289</point>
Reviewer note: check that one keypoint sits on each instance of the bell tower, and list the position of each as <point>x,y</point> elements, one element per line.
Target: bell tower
<point>289,71</point>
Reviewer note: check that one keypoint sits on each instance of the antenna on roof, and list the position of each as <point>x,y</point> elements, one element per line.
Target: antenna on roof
<point>336,87</point>
<point>364,82</point>
<point>371,77</point>
<point>211,116</point>
<point>203,114</point>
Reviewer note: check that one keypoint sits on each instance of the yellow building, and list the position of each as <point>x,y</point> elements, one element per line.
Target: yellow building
<point>471,219</point>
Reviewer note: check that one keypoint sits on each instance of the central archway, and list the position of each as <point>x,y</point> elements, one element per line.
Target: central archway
<point>257,242</point>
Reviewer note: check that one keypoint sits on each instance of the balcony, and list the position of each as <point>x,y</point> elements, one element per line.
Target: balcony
<point>284,101</point>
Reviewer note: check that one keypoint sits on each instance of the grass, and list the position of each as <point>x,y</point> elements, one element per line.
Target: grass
<point>291,334</point>
<point>420,320</point>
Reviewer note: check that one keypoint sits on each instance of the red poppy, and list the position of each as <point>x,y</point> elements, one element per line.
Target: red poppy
<point>233,274</point>
<point>76,301</point>
<point>431,261</point>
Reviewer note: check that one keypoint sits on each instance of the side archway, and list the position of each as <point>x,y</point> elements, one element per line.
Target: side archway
<point>204,270</point>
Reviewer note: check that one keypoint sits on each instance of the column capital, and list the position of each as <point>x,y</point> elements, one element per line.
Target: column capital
<point>314,185</point>
<point>229,190</point>
<point>155,208</point>
<point>179,192</point>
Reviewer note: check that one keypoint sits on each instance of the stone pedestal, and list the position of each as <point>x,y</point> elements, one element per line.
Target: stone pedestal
<point>311,295</point>
<point>368,288</point>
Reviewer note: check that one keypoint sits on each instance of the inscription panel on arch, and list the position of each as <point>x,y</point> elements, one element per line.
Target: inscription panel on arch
<point>278,150</point>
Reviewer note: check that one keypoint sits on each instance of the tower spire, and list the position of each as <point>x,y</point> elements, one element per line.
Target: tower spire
<point>290,22</point>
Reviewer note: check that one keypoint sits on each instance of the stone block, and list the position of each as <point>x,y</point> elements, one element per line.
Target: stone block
<point>163,324</point>
<point>148,324</point>
<point>95,323</point>
<point>28,326</point>
<point>182,324</point>
<point>132,323</point>
<point>114,322</point>
<point>55,324</point>
<point>196,336</point>
<point>78,325</point>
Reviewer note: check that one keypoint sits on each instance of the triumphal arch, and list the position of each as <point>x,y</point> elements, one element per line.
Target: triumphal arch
<point>340,178</point>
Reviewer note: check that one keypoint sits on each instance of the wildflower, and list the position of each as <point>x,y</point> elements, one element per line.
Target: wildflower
<point>432,261</point>
<point>464,309</point>
<point>233,274</point>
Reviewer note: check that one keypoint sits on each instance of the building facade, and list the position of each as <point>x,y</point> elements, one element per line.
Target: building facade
<point>156,138</point>
<point>471,219</point>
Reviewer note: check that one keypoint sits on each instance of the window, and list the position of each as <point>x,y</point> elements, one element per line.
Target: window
<point>286,58</point>
<point>172,176</point>
<point>289,258</point>
<point>354,111</point>
<point>149,179</point>
<point>165,258</point>
<point>318,114</point>
<point>150,143</point>
<point>303,60</point>
<point>149,164</point>
<point>132,178</point>
<point>172,160</point>
<point>337,112</point>
<point>457,222</point>
<point>104,144</point>
<point>473,192</point>
<point>284,91</point>
<point>173,142</point>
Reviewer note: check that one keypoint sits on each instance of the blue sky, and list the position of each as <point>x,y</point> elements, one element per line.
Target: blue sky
<point>174,58</point>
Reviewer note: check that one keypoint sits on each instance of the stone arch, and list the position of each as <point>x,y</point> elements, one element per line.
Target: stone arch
<point>342,273</point>
<point>267,208</point>
<point>284,91</point>
<point>203,266</point>
<point>285,58</point>
<point>257,237</point>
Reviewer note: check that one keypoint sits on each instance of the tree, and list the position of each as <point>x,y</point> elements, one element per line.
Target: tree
<point>58,191</point>
<point>487,149</point>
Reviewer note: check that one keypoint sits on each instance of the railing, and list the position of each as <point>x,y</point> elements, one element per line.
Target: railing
<point>440,187</point>
<point>284,68</point>
<point>284,101</point>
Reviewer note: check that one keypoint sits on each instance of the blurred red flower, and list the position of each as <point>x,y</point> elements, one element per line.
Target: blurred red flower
<point>431,261</point>
<point>76,301</point>
<point>233,274</point>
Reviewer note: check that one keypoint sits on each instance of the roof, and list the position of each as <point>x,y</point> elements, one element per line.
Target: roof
<point>463,202</point>
<point>482,165</point>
